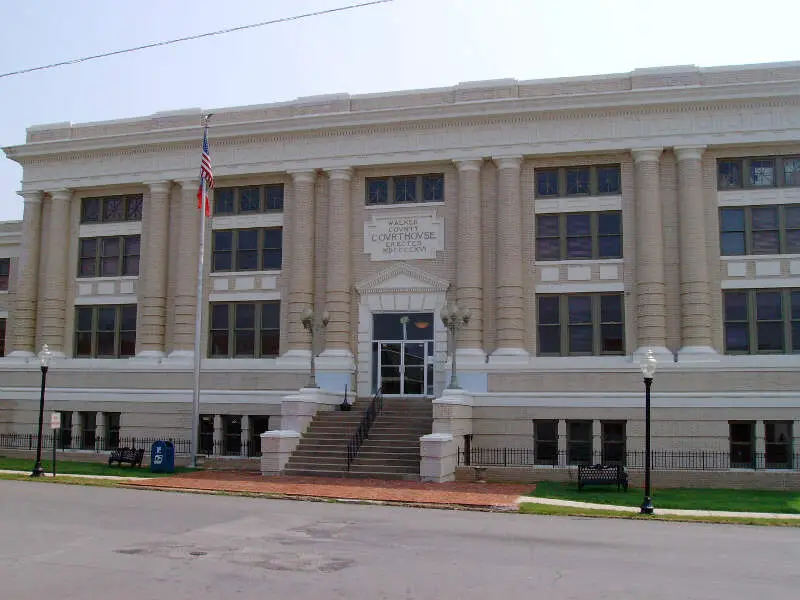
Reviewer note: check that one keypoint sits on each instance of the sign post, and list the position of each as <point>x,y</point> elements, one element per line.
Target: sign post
<point>55,427</point>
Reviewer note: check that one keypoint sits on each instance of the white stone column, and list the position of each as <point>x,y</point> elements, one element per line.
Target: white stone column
<point>150,334</point>
<point>219,436</point>
<point>469,273</point>
<point>26,281</point>
<point>650,285</point>
<point>100,431</point>
<point>54,296</point>
<point>695,291</point>
<point>245,436</point>
<point>338,294</point>
<point>301,271</point>
<point>77,430</point>
<point>510,291</point>
<point>597,441</point>
<point>760,444</point>
<point>562,443</point>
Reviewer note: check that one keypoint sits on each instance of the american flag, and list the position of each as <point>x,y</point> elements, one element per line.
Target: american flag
<point>206,176</point>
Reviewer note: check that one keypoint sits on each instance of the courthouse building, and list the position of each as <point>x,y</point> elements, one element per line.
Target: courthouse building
<point>581,221</point>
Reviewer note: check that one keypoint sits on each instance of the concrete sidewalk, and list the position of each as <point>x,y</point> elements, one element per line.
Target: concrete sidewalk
<point>50,474</point>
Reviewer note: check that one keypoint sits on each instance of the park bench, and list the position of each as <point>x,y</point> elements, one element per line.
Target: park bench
<point>131,456</point>
<point>602,475</point>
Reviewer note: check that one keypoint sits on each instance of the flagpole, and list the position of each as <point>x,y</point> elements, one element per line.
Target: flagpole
<point>198,331</point>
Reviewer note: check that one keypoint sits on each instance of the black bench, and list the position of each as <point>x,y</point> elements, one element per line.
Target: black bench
<point>602,475</point>
<point>131,456</point>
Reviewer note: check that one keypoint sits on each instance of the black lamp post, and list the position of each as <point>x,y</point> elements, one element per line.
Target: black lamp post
<point>648,367</point>
<point>454,318</point>
<point>312,324</point>
<point>44,360</point>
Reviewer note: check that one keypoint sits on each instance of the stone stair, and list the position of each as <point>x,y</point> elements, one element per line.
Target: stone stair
<point>390,452</point>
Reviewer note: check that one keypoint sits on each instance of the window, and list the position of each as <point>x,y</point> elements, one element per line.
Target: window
<point>405,189</point>
<point>250,199</point>
<point>2,337</point>
<point>613,437</point>
<point>778,444</point>
<point>247,249</point>
<point>111,209</point>
<point>109,256</point>
<point>112,423</point>
<point>580,325</point>
<point>107,331</point>
<point>244,329</point>
<point>579,442</point>
<point>762,321</point>
<point>231,435</point>
<point>760,230</point>
<point>5,270</point>
<point>741,438</point>
<point>89,428</point>
<point>545,442</point>
<point>66,429</point>
<point>757,172</point>
<point>207,434</point>
<point>575,236</point>
<point>258,425</point>
<point>578,181</point>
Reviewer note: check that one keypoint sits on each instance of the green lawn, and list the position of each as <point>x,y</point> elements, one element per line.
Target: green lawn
<point>82,468</point>
<point>698,499</point>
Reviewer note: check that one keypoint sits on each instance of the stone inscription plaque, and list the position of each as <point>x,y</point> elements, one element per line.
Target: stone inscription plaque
<point>406,236</point>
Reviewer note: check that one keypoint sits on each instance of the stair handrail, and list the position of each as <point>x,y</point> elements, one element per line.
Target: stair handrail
<point>373,410</point>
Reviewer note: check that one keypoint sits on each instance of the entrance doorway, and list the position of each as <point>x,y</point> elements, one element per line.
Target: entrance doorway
<point>402,354</point>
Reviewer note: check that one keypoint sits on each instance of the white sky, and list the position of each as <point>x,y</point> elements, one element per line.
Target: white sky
<point>405,44</point>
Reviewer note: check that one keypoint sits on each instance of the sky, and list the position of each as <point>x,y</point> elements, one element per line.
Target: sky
<point>403,44</point>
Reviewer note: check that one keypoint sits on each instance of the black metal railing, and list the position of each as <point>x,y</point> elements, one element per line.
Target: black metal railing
<point>373,410</point>
<point>662,460</point>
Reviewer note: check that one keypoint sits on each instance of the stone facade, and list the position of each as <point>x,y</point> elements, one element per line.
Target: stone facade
<point>356,248</point>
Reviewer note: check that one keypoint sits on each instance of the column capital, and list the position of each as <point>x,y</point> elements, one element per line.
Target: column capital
<point>340,174</point>
<point>192,183</point>
<point>689,152</point>
<point>31,196</point>
<point>646,154</point>
<point>469,164</point>
<point>304,176</point>
<point>61,195</point>
<point>159,187</point>
<point>507,162</point>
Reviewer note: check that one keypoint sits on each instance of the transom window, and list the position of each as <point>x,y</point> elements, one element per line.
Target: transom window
<point>758,172</point>
<point>771,229</point>
<point>247,249</point>
<point>249,199</point>
<point>578,181</point>
<point>109,256</point>
<point>573,236</point>
<point>762,321</point>
<point>405,189</point>
<point>111,209</point>
<point>105,331</point>
<point>245,329</point>
<point>580,324</point>
<point>5,270</point>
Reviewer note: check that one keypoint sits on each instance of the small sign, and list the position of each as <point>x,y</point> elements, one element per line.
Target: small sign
<point>55,420</point>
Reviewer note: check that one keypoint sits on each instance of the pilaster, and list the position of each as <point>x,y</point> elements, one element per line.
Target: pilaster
<point>245,436</point>
<point>218,436</point>
<point>23,320</point>
<point>54,295</point>
<point>100,431</point>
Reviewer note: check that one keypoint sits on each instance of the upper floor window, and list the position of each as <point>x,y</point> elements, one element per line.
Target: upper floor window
<point>245,329</point>
<point>111,209</point>
<point>773,229</point>
<point>109,256</point>
<point>106,331</point>
<point>5,270</point>
<point>762,321</point>
<point>568,236</point>
<point>758,172</point>
<point>578,181</point>
<point>405,189</point>
<point>246,200</point>
<point>580,324</point>
<point>247,249</point>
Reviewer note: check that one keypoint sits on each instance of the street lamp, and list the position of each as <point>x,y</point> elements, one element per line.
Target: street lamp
<point>648,366</point>
<point>454,318</point>
<point>44,360</point>
<point>313,324</point>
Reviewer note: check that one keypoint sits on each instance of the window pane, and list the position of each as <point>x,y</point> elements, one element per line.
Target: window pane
<point>613,432</point>
<point>766,242</point>
<point>768,306</point>
<point>765,218</point>
<point>741,432</point>
<point>579,224</point>
<point>546,431</point>
<point>548,249</point>
<point>271,315</point>
<point>109,257</point>
<point>778,432</point>
<point>580,339</point>
<point>611,309</point>
<point>547,226</point>
<point>247,250</point>
<point>609,223</point>
<point>248,199</point>
<point>114,209</point>
<point>270,343</point>
<point>134,208</point>
<point>579,247</point>
<point>128,320</point>
<point>274,197</point>
<point>245,316</point>
<point>580,309</point>
<point>762,172</point>
<point>612,339</point>
<point>222,255</point>
<point>737,337</point>
<point>244,334</point>
<point>736,306</point>
<point>273,248</point>
<point>219,343</point>
<point>223,201</point>
<point>83,319</point>
<point>609,247</point>
<point>433,188</point>
<point>731,219</point>
<point>549,339</point>
<point>106,318</point>
<point>729,174</point>
<point>127,344</point>
<point>90,210</point>
<point>795,305</point>
<point>83,344</point>
<point>770,337</point>
<point>223,240</point>
<point>219,316</point>
<point>88,255</point>
<point>795,337</point>
<point>578,181</point>
<point>548,310</point>
<point>579,431</point>
<point>791,171</point>
<point>608,180</point>
<point>130,265</point>
<point>105,344</point>
<point>377,191</point>
<point>732,244</point>
<point>405,189</point>
<point>547,182</point>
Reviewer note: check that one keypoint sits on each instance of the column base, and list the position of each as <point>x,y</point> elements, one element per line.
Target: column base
<point>181,356</point>
<point>21,354</point>
<point>509,356</point>
<point>295,359</point>
<point>663,354</point>
<point>693,354</point>
<point>470,356</point>
<point>151,356</point>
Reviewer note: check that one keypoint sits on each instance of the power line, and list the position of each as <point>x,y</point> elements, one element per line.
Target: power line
<point>195,37</point>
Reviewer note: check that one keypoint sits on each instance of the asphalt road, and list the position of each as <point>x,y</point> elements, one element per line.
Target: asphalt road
<point>71,542</point>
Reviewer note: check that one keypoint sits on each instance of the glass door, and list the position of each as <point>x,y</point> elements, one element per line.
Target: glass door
<point>404,368</point>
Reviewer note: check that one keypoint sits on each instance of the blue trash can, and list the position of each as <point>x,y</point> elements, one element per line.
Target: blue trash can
<point>162,457</point>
